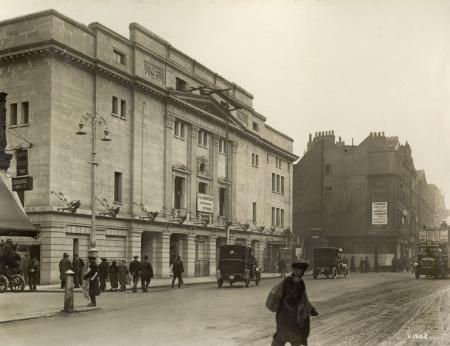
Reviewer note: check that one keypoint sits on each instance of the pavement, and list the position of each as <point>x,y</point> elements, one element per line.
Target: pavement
<point>48,300</point>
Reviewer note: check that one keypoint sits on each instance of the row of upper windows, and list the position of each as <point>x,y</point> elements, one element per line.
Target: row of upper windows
<point>179,131</point>
<point>277,217</point>
<point>122,112</point>
<point>277,183</point>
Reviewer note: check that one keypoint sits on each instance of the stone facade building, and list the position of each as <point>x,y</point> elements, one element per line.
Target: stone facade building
<point>368,198</point>
<point>167,153</point>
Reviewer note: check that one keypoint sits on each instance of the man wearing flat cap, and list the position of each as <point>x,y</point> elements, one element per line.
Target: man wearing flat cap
<point>64,265</point>
<point>294,309</point>
<point>134,271</point>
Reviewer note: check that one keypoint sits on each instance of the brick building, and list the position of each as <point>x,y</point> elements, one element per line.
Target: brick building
<point>167,153</point>
<point>367,198</point>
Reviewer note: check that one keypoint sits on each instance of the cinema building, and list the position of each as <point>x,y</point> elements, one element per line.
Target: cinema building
<point>170,133</point>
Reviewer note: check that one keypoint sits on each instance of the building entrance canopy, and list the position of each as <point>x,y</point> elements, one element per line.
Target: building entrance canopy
<point>13,219</point>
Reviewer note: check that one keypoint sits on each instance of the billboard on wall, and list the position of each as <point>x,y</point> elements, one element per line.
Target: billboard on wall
<point>379,213</point>
<point>205,203</point>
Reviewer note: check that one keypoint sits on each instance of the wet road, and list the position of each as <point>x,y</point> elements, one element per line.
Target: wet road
<point>369,309</point>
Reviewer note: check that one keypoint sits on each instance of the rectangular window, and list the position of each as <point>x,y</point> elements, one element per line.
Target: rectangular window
<point>115,105</point>
<point>13,114</point>
<point>254,213</point>
<point>203,188</point>
<point>203,139</point>
<point>180,84</point>
<point>278,183</point>
<point>119,57</point>
<point>255,127</point>
<point>179,129</point>
<point>221,201</point>
<point>255,160</point>
<point>282,217</point>
<point>273,216</point>
<point>327,169</point>
<point>76,246</point>
<point>278,217</point>
<point>179,192</point>
<point>123,108</point>
<point>278,162</point>
<point>117,187</point>
<point>222,146</point>
<point>274,184</point>
<point>25,112</point>
<point>282,185</point>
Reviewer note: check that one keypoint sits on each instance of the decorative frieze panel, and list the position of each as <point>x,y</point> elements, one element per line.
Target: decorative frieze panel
<point>116,232</point>
<point>78,229</point>
<point>170,122</point>
<point>154,72</point>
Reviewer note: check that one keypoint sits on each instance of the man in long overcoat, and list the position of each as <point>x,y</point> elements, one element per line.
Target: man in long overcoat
<point>146,272</point>
<point>352,264</point>
<point>64,265</point>
<point>33,273</point>
<point>114,275</point>
<point>92,276</point>
<point>123,275</point>
<point>77,267</point>
<point>294,309</point>
<point>134,271</point>
<point>177,271</point>
<point>103,269</point>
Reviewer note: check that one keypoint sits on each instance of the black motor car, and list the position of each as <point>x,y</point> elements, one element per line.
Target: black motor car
<point>328,261</point>
<point>237,264</point>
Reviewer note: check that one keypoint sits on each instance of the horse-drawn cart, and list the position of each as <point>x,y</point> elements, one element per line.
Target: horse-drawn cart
<point>11,275</point>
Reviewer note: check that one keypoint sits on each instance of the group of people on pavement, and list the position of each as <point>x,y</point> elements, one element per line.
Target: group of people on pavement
<point>402,264</point>
<point>30,270</point>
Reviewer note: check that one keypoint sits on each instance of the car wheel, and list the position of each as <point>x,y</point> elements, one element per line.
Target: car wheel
<point>334,273</point>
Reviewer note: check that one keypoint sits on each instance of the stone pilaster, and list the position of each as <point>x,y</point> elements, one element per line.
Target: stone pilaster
<point>161,254</point>
<point>192,167</point>
<point>214,156</point>
<point>189,255</point>
<point>134,243</point>
<point>260,246</point>
<point>53,245</point>
<point>233,179</point>
<point>168,188</point>
<point>212,255</point>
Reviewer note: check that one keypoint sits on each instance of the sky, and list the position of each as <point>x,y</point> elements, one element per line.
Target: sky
<point>352,66</point>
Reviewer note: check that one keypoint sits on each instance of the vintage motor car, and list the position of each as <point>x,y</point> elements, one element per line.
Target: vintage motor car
<point>328,261</point>
<point>237,264</point>
<point>432,260</point>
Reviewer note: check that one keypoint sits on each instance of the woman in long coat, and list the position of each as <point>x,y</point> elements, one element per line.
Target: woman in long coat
<point>114,275</point>
<point>92,276</point>
<point>294,310</point>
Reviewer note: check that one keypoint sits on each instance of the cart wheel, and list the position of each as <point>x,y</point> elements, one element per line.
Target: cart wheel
<point>17,283</point>
<point>334,273</point>
<point>346,273</point>
<point>247,282</point>
<point>220,283</point>
<point>3,283</point>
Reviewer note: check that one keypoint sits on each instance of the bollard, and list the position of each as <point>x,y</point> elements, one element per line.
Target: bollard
<point>68,294</point>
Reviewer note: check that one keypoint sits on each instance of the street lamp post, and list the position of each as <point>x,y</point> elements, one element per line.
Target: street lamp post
<point>94,120</point>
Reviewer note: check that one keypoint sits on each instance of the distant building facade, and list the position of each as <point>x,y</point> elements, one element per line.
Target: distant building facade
<point>167,153</point>
<point>367,199</point>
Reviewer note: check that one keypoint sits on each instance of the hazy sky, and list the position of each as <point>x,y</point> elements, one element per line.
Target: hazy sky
<point>351,66</point>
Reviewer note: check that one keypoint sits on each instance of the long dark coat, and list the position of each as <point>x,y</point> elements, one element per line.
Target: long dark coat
<point>114,275</point>
<point>146,269</point>
<point>123,273</point>
<point>292,326</point>
<point>64,265</point>
<point>103,269</point>
<point>92,276</point>
<point>178,268</point>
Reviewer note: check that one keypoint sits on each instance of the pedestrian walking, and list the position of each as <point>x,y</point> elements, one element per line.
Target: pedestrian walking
<point>375,263</point>
<point>394,264</point>
<point>282,267</point>
<point>366,264</point>
<point>123,275</point>
<point>25,266</point>
<point>114,275</point>
<point>134,271</point>
<point>352,264</point>
<point>33,273</point>
<point>177,271</point>
<point>77,267</point>
<point>292,308</point>
<point>92,277</point>
<point>64,265</point>
<point>361,265</point>
<point>103,269</point>
<point>146,273</point>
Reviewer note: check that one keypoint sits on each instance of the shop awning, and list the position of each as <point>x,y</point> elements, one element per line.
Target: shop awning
<point>13,219</point>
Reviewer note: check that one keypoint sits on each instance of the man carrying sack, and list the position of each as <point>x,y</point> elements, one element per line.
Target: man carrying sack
<point>290,302</point>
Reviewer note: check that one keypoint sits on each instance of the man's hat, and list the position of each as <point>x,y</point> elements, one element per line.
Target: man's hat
<point>66,254</point>
<point>103,259</point>
<point>135,256</point>
<point>145,257</point>
<point>301,264</point>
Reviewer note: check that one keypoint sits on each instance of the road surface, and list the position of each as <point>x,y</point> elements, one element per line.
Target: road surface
<point>365,309</point>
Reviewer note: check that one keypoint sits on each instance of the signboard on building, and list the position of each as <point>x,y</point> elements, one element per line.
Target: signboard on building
<point>379,213</point>
<point>205,203</point>
<point>22,183</point>
<point>22,162</point>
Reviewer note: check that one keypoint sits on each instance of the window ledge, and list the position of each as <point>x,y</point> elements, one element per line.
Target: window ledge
<point>180,138</point>
<point>115,115</point>
<point>18,125</point>
<point>123,118</point>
